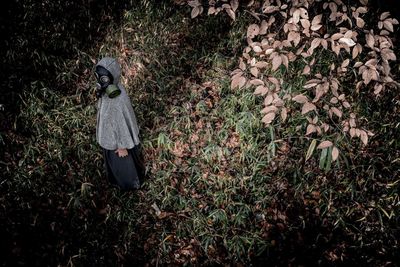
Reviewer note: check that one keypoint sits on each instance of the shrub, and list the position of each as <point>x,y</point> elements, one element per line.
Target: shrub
<point>310,60</point>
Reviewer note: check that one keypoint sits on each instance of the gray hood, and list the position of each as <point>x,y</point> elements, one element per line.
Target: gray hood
<point>112,65</point>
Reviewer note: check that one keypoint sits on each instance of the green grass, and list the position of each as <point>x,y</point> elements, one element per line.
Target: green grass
<point>227,188</point>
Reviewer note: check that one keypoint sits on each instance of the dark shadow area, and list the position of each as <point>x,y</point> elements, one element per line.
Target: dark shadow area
<point>39,41</point>
<point>39,38</point>
<point>56,224</point>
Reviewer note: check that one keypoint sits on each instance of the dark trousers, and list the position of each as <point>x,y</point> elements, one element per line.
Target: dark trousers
<point>124,172</point>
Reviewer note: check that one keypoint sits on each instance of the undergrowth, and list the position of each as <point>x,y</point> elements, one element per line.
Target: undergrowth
<point>222,188</point>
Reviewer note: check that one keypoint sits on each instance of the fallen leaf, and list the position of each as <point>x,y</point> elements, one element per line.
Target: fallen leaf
<point>325,144</point>
<point>195,12</point>
<point>360,22</point>
<point>306,70</point>
<point>336,111</point>
<point>335,153</point>
<point>311,129</point>
<point>349,42</point>
<point>307,107</point>
<point>234,4</point>
<point>276,62</point>
<point>283,114</point>
<point>268,118</point>
<point>261,90</point>
<point>269,109</point>
<point>364,137</point>
<point>301,99</point>
<point>252,31</point>
<point>231,13</point>
<point>370,40</point>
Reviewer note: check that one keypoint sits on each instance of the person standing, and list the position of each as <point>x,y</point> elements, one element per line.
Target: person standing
<point>117,131</point>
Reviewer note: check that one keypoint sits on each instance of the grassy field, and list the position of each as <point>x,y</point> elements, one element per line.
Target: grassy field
<point>222,188</point>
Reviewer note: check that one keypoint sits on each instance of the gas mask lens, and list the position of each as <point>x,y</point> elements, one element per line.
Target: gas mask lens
<point>104,79</point>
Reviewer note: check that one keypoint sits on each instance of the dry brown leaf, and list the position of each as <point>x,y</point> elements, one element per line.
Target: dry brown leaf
<point>305,23</point>
<point>242,65</point>
<point>268,100</point>
<point>347,41</point>
<point>261,90</point>
<point>211,11</point>
<point>336,36</point>
<point>231,13</point>
<point>257,49</point>
<point>358,64</point>
<point>378,88</point>
<point>311,129</point>
<point>269,51</point>
<point>366,77</point>
<point>283,114</point>
<point>274,80</point>
<point>276,62</point>
<point>352,132</point>
<point>285,60</point>
<point>257,82</point>
<point>364,137</point>
<point>307,107</point>
<point>261,64</point>
<point>346,104</point>
<point>316,20</point>
<point>194,3</point>
<point>360,23</point>
<point>238,81</point>
<point>254,71</point>
<point>316,27</point>
<point>296,16</point>
<point>269,109</point>
<point>345,63</point>
<point>195,12</point>
<point>252,31</point>
<point>388,25</point>
<point>336,48</point>
<point>388,54</point>
<point>334,100</point>
<point>306,70</point>
<point>269,9</point>
<point>355,52</point>
<point>370,40</point>
<point>263,27</point>
<point>268,118</point>
<point>362,10</point>
<point>234,4</point>
<point>301,99</point>
<point>304,12</point>
<point>310,85</point>
<point>325,126</point>
<point>384,15</point>
<point>315,43</point>
<point>335,153</point>
<point>336,111</point>
<point>325,144</point>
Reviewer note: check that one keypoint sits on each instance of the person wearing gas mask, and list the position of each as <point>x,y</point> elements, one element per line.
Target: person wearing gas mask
<point>117,131</point>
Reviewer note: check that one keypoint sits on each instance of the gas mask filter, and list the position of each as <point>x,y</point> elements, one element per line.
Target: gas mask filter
<point>105,83</point>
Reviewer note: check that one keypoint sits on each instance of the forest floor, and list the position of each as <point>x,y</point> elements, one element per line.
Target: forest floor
<point>221,190</point>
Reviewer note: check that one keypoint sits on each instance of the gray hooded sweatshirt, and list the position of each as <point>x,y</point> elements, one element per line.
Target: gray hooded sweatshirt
<point>116,121</point>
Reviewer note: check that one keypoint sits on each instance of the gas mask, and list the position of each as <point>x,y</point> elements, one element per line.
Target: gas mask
<point>105,83</point>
